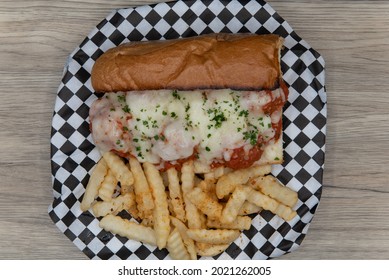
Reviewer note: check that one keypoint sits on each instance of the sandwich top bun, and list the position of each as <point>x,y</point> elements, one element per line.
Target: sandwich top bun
<point>213,61</point>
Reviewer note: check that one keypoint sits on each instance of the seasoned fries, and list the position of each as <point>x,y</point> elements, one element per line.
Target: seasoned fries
<point>108,186</point>
<point>189,243</point>
<point>187,213</point>
<point>210,250</point>
<point>205,203</point>
<point>119,169</point>
<point>213,236</point>
<point>95,181</point>
<point>142,191</point>
<point>161,211</point>
<point>193,215</point>
<point>241,223</point>
<point>128,229</point>
<point>114,206</point>
<point>227,183</point>
<point>234,203</point>
<point>176,246</point>
<point>272,205</point>
<point>272,187</point>
<point>175,194</point>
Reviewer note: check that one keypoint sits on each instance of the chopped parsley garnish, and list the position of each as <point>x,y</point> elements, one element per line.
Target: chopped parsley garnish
<point>219,118</point>
<point>146,124</point>
<point>126,109</point>
<point>252,136</point>
<point>122,98</point>
<point>244,113</point>
<point>176,95</point>
<point>207,149</point>
<point>154,124</point>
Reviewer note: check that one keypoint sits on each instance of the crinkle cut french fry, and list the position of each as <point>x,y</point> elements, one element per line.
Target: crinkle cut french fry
<point>176,247</point>
<point>210,250</point>
<point>189,243</point>
<point>227,183</point>
<point>201,168</point>
<point>267,203</point>
<point>95,180</point>
<point>208,186</point>
<point>240,223</point>
<point>119,168</point>
<point>234,203</point>
<point>193,216</point>
<point>161,212</point>
<point>108,186</point>
<point>114,206</point>
<point>213,236</point>
<point>205,203</point>
<point>132,210</point>
<point>272,187</point>
<point>142,191</point>
<point>129,229</point>
<point>147,222</point>
<point>175,194</point>
<point>214,174</point>
<point>249,208</point>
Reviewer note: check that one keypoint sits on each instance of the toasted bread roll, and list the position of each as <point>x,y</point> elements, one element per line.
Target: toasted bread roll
<point>213,61</point>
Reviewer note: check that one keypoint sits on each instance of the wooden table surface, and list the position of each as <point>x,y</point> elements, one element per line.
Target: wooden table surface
<point>352,221</point>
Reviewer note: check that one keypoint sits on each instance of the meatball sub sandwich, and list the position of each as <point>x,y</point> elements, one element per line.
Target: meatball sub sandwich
<point>216,99</point>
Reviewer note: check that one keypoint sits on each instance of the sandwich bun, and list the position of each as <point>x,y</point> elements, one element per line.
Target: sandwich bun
<point>212,61</point>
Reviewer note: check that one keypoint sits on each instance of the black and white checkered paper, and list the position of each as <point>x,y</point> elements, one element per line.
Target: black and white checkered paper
<point>73,153</point>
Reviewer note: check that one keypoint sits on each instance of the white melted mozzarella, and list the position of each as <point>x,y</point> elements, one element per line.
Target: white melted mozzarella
<point>166,125</point>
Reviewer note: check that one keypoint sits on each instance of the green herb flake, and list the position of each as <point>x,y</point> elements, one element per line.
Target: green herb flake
<point>219,118</point>
<point>122,98</point>
<point>176,95</point>
<point>252,136</point>
<point>244,113</point>
<point>126,109</point>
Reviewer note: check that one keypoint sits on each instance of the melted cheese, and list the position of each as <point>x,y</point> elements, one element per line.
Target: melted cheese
<point>165,125</point>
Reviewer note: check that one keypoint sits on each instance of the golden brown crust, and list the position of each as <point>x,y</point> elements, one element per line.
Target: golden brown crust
<point>237,61</point>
